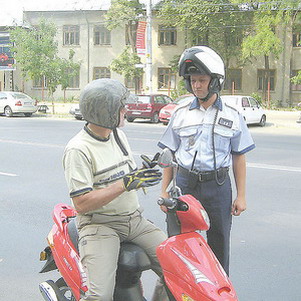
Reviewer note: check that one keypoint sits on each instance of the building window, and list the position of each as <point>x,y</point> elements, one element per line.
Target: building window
<point>296,39</point>
<point>167,35</point>
<point>71,34</point>
<point>129,82</point>
<point>73,80</point>
<point>38,82</point>
<point>233,79</point>
<point>102,36</point>
<point>295,87</point>
<point>101,72</point>
<point>166,79</point>
<point>200,39</point>
<point>264,77</point>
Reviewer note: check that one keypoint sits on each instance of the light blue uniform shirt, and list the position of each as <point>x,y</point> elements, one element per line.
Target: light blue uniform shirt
<point>189,133</point>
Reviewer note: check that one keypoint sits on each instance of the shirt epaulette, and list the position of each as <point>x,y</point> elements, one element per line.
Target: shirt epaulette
<point>182,105</point>
<point>230,107</point>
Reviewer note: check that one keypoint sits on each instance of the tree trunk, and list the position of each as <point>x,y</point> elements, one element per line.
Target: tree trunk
<point>266,76</point>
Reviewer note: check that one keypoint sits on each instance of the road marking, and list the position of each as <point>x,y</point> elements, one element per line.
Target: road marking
<point>8,174</point>
<point>274,167</point>
<point>252,165</point>
<point>32,143</point>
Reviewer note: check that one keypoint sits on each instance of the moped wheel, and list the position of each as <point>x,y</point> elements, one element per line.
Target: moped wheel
<point>65,290</point>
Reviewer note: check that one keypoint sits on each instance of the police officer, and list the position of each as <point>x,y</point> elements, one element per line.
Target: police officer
<point>207,137</point>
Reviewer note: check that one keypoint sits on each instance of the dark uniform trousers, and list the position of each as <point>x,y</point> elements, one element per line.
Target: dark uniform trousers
<point>217,201</point>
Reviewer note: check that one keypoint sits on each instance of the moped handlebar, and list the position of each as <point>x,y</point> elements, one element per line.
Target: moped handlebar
<point>169,203</point>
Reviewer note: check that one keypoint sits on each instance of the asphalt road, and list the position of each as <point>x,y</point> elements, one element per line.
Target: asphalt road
<point>266,251</point>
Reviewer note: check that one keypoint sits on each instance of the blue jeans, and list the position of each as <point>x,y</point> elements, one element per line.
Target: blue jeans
<point>217,201</point>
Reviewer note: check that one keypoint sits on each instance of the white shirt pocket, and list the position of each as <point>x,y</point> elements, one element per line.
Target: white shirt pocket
<point>188,138</point>
<point>222,138</point>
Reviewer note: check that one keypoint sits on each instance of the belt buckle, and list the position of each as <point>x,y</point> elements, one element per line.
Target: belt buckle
<point>200,177</point>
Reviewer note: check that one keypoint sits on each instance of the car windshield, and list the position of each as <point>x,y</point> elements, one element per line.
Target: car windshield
<point>143,99</point>
<point>132,98</point>
<point>20,95</point>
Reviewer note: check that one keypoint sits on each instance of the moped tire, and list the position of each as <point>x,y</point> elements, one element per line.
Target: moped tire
<point>65,290</point>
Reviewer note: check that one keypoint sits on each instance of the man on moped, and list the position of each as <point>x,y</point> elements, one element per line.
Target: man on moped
<point>102,178</point>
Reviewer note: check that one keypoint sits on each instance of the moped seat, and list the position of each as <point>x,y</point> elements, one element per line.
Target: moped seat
<point>131,257</point>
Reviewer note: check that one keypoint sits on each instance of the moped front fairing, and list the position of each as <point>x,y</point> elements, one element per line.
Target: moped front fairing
<point>191,269</point>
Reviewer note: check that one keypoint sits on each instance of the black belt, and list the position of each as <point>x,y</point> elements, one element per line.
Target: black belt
<point>203,176</point>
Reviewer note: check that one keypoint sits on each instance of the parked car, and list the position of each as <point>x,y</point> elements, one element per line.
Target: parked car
<point>16,103</point>
<point>248,106</point>
<point>166,112</point>
<point>146,106</point>
<point>74,110</point>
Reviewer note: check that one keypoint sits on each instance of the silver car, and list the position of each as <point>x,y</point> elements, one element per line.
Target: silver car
<point>16,103</point>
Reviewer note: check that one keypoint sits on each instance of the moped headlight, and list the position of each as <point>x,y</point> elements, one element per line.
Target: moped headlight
<point>50,239</point>
<point>186,298</point>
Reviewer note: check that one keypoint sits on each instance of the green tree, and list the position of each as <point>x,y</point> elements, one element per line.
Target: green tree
<point>69,70</point>
<point>125,64</point>
<point>215,23</point>
<point>262,39</point>
<point>126,13</point>
<point>35,50</point>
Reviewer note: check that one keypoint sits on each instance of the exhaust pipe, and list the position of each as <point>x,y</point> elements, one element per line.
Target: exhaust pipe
<point>50,291</point>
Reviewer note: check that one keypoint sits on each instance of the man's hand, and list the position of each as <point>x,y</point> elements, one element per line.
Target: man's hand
<point>140,178</point>
<point>150,163</point>
<point>238,206</point>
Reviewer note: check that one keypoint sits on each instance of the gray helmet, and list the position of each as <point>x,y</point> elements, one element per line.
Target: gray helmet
<point>101,100</point>
<point>202,60</point>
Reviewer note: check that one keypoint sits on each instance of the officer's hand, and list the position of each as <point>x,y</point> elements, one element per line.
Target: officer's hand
<point>140,178</point>
<point>239,205</point>
<point>150,163</point>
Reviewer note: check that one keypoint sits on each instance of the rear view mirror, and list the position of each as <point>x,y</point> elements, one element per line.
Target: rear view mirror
<point>166,158</point>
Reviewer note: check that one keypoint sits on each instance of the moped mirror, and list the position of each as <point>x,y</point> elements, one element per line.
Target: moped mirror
<point>166,158</point>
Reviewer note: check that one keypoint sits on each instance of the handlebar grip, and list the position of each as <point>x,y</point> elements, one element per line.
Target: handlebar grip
<point>169,203</point>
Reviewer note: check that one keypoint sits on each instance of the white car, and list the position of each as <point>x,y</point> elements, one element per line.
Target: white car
<point>15,103</point>
<point>248,106</point>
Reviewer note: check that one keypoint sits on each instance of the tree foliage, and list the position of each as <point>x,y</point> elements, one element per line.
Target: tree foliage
<point>218,24</point>
<point>125,64</point>
<point>35,50</point>
<point>126,13</point>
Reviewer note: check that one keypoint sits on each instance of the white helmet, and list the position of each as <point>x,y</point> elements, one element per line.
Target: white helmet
<point>101,101</point>
<point>202,60</point>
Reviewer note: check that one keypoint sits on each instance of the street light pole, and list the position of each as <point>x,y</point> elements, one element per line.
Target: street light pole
<point>148,67</point>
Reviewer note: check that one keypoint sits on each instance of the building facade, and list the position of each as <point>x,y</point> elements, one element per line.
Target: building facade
<point>95,47</point>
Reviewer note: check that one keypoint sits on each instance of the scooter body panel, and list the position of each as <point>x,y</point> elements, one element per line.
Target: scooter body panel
<point>190,268</point>
<point>64,254</point>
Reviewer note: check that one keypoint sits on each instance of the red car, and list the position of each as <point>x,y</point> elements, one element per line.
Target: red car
<point>166,112</point>
<point>146,107</point>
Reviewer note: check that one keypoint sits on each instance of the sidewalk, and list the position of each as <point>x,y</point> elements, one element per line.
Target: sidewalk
<point>275,118</point>
<point>283,119</point>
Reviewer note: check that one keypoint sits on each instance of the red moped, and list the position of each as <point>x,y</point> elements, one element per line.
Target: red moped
<point>191,270</point>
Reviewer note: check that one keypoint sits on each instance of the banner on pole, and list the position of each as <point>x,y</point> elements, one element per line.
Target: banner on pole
<point>140,38</point>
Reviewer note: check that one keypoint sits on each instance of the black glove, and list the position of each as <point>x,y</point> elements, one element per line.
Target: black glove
<point>140,178</point>
<point>148,163</point>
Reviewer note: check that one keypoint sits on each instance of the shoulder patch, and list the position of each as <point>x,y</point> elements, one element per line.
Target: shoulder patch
<point>231,107</point>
